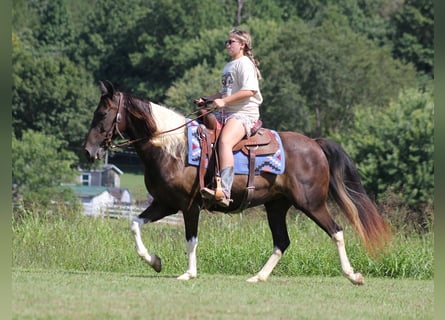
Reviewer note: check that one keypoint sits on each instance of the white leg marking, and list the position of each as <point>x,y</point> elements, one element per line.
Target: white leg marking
<point>268,267</point>
<point>142,251</point>
<point>191,272</point>
<point>355,278</point>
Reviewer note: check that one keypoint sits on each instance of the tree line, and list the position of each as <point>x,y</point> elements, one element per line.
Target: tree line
<point>357,71</point>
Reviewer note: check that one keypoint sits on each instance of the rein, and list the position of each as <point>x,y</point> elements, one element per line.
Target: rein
<point>115,127</point>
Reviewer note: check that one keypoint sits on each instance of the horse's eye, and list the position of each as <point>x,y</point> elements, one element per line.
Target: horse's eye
<point>100,114</point>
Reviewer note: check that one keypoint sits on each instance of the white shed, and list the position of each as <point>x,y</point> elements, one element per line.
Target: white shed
<point>107,176</point>
<point>95,200</point>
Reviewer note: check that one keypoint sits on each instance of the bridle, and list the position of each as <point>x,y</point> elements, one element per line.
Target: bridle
<point>114,126</point>
<point>114,130</point>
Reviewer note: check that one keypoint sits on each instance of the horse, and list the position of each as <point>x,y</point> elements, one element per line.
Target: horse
<point>316,170</point>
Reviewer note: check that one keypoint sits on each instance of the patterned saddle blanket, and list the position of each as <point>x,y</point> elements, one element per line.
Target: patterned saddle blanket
<point>272,163</point>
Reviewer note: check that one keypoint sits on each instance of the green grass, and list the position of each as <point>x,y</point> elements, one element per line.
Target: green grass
<point>55,294</point>
<point>135,183</point>
<point>67,266</point>
<point>233,245</point>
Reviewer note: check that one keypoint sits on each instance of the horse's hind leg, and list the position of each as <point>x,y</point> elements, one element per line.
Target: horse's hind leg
<point>276,216</point>
<point>355,278</point>
<point>325,221</point>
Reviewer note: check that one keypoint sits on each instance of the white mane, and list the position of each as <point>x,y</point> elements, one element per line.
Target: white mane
<point>173,142</point>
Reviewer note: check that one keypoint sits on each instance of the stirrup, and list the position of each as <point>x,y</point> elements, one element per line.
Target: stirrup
<point>207,193</point>
<point>224,202</point>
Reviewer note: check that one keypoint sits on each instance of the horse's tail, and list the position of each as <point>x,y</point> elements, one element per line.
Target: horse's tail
<point>346,189</point>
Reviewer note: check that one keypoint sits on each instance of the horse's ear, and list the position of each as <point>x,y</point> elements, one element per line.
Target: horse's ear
<point>106,88</point>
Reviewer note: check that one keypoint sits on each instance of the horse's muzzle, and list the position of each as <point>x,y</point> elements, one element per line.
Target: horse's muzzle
<point>93,154</point>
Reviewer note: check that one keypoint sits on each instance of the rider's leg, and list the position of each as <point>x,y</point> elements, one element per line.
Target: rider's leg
<point>232,132</point>
<point>222,193</point>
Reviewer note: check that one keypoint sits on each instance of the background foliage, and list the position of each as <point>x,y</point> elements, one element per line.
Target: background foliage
<point>40,164</point>
<point>397,146</point>
<point>357,71</point>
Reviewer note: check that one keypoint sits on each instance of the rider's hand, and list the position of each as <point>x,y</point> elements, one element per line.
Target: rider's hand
<point>219,103</point>
<point>200,101</point>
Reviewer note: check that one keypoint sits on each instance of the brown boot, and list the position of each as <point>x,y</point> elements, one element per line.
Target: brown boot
<point>227,175</point>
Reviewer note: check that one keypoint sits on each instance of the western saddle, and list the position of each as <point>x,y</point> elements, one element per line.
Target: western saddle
<point>261,142</point>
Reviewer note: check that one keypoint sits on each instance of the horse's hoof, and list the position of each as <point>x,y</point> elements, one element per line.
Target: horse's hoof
<point>156,263</point>
<point>358,279</point>
<point>186,276</point>
<point>254,279</point>
<point>257,278</point>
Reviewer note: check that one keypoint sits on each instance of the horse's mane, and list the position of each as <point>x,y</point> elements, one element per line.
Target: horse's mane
<point>159,120</point>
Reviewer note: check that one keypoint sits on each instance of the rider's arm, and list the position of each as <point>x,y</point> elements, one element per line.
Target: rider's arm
<point>237,96</point>
<point>202,100</point>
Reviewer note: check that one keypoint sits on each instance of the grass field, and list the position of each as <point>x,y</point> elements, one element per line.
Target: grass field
<point>52,294</point>
<point>135,183</point>
<point>68,266</point>
<point>238,244</point>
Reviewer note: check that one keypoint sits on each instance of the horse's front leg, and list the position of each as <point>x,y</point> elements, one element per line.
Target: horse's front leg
<point>191,218</point>
<point>153,213</point>
<point>192,270</point>
<point>153,260</point>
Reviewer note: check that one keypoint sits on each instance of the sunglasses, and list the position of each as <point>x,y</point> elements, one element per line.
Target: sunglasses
<point>229,42</point>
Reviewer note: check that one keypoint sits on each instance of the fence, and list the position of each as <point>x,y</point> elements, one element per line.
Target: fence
<point>124,211</point>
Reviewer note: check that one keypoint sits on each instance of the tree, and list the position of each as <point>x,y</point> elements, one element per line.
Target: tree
<point>40,165</point>
<point>321,73</point>
<point>56,30</point>
<point>107,37</point>
<point>412,34</point>
<point>318,58</point>
<point>311,83</point>
<point>50,94</point>
<point>173,40</point>
<point>394,147</point>
<point>197,82</point>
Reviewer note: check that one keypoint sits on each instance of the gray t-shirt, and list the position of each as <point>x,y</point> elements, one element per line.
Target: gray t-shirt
<point>240,74</point>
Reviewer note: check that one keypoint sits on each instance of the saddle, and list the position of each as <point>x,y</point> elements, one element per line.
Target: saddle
<point>261,142</point>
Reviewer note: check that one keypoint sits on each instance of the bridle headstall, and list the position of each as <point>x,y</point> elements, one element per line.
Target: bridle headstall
<point>115,127</point>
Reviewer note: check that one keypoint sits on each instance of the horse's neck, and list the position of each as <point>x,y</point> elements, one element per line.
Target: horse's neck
<point>168,144</point>
<point>166,120</point>
<point>160,166</point>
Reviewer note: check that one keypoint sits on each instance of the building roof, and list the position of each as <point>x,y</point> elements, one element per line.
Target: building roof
<point>104,168</point>
<point>112,167</point>
<point>88,191</point>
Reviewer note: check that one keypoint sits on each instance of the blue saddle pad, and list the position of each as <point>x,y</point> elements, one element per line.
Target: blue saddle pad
<point>273,163</point>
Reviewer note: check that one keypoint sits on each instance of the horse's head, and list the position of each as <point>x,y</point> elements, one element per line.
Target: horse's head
<point>106,123</point>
